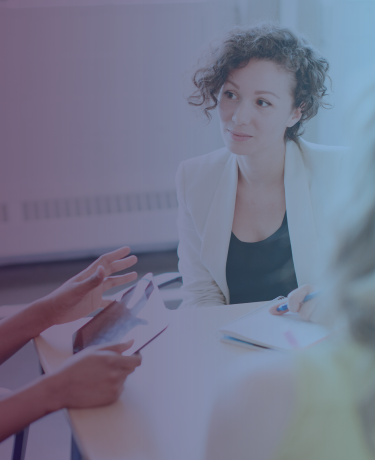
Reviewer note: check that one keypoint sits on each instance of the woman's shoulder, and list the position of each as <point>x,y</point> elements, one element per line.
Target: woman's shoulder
<point>310,147</point>
<point>320,152</point>
<point>323,163</point>
<point>197,181</point>
<point>204,170</point>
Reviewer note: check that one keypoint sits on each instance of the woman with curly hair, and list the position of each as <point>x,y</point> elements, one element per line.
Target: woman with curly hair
<point>319,403</point>
<point>252,215</point>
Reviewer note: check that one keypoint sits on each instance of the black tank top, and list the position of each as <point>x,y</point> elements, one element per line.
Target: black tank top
<point>262,270</point>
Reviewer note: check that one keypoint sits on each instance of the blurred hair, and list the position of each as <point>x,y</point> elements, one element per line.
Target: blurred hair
<point>268,42</point>
<point>352,283</point>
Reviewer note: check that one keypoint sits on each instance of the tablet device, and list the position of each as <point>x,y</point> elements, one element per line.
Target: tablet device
<point>138,315</point>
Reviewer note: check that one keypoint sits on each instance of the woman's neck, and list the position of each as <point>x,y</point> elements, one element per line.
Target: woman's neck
<point>264,170</point>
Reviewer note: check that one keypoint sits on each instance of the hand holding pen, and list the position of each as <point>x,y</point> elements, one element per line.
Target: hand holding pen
<point>303,301</point>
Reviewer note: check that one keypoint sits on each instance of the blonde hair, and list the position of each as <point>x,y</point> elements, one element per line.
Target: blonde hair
<point>352,283</point>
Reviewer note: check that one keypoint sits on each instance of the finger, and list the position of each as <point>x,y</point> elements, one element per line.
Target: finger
<point>130,362</point>
<point>295,298</point>
<point>87,272</point>
<point>113,281</point>
<point>280,303</point>
<point>106,303</point>
<point>93,281</point>
<point>123,264</point>
<point>307,309</point>
<point>273,309</point>
<point>122,363</point>
<point>105,260</point>
<point>117,347</point>
<point>115,255</point>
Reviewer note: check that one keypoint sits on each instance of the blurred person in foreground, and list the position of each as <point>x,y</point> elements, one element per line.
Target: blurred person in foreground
<point>319,403</point>
<point>92,377</point>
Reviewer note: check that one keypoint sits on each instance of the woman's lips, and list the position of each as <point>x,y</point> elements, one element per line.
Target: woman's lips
<point>236,136</point>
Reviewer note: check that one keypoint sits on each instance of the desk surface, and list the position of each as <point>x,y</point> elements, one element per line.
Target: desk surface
<point>163,411</point>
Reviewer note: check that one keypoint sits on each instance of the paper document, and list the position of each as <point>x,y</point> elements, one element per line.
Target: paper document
<point>285,332</point>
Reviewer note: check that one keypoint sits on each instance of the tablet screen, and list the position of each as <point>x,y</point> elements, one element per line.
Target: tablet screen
<point>116,320</point>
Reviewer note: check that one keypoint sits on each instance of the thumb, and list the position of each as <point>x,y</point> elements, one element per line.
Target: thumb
<point>118,347</point>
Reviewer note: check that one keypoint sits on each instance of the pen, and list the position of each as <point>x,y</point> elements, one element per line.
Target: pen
<point>284,307</point>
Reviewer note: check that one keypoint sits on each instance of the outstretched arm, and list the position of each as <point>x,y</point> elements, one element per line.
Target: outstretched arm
<point>93,377</point>
<point>76,298</point>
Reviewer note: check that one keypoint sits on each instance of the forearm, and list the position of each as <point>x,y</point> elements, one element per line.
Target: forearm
<point>196,299</point>
<point>199,289</point>
<point>27,405</point>
<point>18,329</point>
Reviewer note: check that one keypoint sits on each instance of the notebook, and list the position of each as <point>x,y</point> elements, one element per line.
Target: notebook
<point>261,329</point>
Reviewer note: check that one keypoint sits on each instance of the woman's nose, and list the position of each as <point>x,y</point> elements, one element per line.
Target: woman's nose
<point>243,114</point>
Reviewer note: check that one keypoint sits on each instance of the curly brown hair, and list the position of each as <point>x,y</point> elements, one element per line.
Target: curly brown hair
<point>265,42</point>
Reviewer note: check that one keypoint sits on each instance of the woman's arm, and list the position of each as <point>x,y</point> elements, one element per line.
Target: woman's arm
<point>199,288</point>
<point>93,377</point>
<point>76,298</point>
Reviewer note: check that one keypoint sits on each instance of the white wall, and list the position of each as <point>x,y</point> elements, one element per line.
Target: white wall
<point>94,111</point>
<point>344,32</point>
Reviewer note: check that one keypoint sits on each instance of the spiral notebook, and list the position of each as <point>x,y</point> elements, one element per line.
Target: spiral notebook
<point>260,329</point>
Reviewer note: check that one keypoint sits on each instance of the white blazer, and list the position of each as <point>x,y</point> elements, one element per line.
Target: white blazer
<point>206,192</point>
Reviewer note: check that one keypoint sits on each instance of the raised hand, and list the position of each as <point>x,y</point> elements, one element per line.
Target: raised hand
<point>82,294</point>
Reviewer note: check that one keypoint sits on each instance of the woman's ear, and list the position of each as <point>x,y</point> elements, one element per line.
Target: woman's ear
<point>295,117</point>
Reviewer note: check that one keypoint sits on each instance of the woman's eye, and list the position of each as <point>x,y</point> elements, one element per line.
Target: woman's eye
<point>263,103</point>
<point>230,95</point>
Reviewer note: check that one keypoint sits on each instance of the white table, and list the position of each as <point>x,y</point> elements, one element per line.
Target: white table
<point>165,406</point>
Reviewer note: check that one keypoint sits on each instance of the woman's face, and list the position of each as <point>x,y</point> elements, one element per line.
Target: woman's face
<point>255,108</point>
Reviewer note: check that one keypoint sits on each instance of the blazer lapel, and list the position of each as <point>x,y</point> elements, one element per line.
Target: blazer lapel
<point>302,231</point>
<point>301,223</point>
<point>217,231</point>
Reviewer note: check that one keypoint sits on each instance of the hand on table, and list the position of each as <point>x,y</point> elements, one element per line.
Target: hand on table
<point>307,311</point>
<point>93,377</point>
<point>82,294</point>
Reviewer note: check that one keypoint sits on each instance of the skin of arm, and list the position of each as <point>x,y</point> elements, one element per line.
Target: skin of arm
<point>93,377</point>
<point>90,378</point>
<point>75,299</point>
<point>18,329</point>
